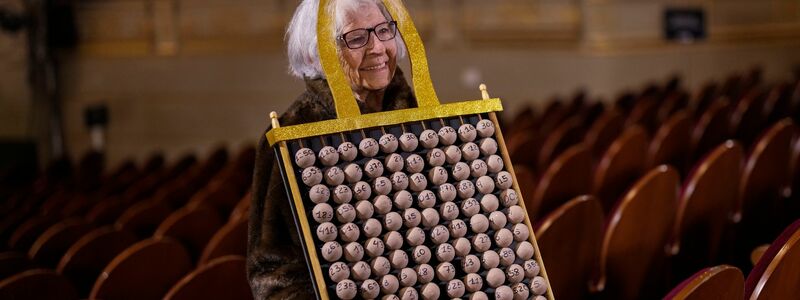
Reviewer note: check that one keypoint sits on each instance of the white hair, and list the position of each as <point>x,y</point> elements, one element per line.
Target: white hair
<point>301,34</point>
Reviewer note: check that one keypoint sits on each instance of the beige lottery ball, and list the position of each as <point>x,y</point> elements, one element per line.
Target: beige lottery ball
<point>394,162</point>
<point>462,246</point>
<point>435,157</point>
<point>430,217</point>
<point>497,220</point>
<point>331,251</point>
<point>467,133</point>
<point>380,266</point>
<point>346,289</point>
<point>479,223</point>
<point>458,228</point>
<point>349,232</point>
<point>334,176</point>
<point>389,284</point>
<point>382,204</point>
<point>304,158</point>
<point>328,156</point>
<point>524,250</point>
<point>447,135</point>
<point>470,151</point>
<point>488,146</point>
<point>437,175</point>
<point>509,197</point>
<point>452,154</point>
<point>345,213</point>
<point>388,143</point>
<point>353,252</point>
<point>327,232</point>
<point>362,190</point>
<point>392,221</point>
<point>455,288</point>
<point>478,295</point>
<point>411,217</point>
<point>485,128</point>
<point>481,242</point>
<point>430,291</point>
<point>382,185</point>
<point>360,271</point>
<point>319,193</point>
<point>478,168</point>
<point>515,214</point>
<point>408,293</point>
<point>370,289</point>
<point>470,264</point>
<point>495,277</point>
<point>538,285</point>
<point>485,185</point>
<point>364,209</point>
<point>540,297</point>
<point>447,192</point>
<point>439,234</point>
<point>520,232</point>
<point>507,257</point>
<point>445,252</point>
<point>445,271</point>
<point>489,203</point>
<point>342,194</point>
<point>372,228</point>
<point>417,182</point>
<point>347,151</point>
<point>470,207</point>
<point>398,259</point>
<point>503,292</point>
<point>494,163</point>
<point>473,282</point>
<point>503,180</point>
<point>531,268</point>
<point>322,212</point>
<point>374,168</point>
<point>408,277</point>
<point>503,237</point>
<point>421,254</point>
<point>429,139</point>
<point>393,240</point>
<point>368,147</point>
<point>353,173</point>
<point>338,271</point>
<point>408,142</point>
<point>465,189</point>
<point>426,199</point>
<point>460,171</point>
<point>521,291</point>
<point>490,259</point>
<point>425,273</point>
<point>399,181</point>
<point>415,236</point>
<point>403,199</point>
<point>515,273</point>
<point>390,297</point>
<point>374,247</point>
<point>414,163</point>
<point>311,176</point>
<point>448,211</point>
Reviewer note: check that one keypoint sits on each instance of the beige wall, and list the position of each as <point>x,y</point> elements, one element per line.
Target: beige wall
<point>185,76</point>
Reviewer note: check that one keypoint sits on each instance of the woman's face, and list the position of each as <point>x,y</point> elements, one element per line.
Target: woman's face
<point>369,68</point>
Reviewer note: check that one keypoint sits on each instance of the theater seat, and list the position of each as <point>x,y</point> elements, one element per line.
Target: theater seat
<point>192,226</point>
<point>222,278</point>
<point>775,276</point>
<point>566,178</point>
<point>720,282</point>
<point>37,284</point>
<point>231,239</point>
<point>620,166</point>
<point>85,259</point>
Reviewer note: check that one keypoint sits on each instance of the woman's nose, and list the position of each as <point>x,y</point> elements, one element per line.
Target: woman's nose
<point>374,45</point>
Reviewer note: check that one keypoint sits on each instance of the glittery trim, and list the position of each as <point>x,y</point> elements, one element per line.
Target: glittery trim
<point>382,119</point>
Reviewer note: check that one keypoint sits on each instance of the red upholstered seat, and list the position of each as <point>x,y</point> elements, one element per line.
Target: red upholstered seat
<point>719,282</point>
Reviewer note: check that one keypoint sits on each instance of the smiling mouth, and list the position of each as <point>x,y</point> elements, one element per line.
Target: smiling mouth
<point>375,67</point>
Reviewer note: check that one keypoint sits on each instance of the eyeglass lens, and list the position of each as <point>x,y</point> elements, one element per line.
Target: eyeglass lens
<point>360,37</point>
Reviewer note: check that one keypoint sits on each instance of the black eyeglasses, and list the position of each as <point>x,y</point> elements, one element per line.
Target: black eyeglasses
<point>358,38</point>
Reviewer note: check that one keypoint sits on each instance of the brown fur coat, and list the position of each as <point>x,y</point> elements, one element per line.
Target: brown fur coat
<point>275,264</point>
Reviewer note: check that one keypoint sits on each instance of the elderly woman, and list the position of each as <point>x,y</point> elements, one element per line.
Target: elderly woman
<point>368,46</point>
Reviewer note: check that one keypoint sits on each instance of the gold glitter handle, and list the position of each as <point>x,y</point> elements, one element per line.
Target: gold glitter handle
<point>346,106</point>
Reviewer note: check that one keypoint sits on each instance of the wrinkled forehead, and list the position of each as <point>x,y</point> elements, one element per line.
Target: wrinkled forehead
<point>360,14</point>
